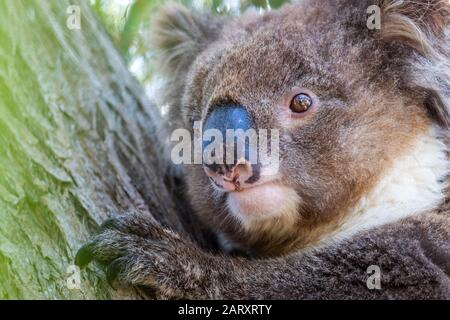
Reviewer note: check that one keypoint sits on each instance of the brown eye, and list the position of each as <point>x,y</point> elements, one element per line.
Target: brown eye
<point>301,103</point>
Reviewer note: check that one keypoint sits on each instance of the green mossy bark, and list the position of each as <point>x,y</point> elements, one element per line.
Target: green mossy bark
<point>78,143</point>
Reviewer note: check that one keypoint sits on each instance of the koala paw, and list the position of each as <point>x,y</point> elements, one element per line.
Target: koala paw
<point>137,251</point>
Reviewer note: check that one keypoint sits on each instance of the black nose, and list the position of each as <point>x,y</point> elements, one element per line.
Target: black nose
<point>223,118</point>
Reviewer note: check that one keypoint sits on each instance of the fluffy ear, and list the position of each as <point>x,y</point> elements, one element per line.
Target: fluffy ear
<point>180,35</point>
<point>424,27</point>
<point>414,22</point>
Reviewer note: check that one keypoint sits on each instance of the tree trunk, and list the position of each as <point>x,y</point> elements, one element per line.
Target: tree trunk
<point>78,143</point>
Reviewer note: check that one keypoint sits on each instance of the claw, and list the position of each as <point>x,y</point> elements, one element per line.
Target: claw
<point>113,270</point>
<point>84,255</point>
<point>110,223</point>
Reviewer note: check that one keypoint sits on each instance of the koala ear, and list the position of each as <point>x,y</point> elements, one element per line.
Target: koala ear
<point>180,35</point>
<point>416,23</point>
<point>424,27</point>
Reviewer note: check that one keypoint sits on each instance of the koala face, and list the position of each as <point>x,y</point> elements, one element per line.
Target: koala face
<point>342,98</point>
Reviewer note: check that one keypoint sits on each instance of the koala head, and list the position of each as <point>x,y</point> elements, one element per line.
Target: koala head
<point>348,103</point>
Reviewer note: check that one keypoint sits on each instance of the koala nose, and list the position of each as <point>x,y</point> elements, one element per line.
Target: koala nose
<point>240,171</point>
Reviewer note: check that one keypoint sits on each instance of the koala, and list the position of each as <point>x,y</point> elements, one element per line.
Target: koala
<point>363,121</point>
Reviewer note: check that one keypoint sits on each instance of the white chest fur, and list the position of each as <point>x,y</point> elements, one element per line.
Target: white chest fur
<point>414,185</point>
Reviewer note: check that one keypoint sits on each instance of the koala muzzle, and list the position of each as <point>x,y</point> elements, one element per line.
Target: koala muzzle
<point>237,167</point>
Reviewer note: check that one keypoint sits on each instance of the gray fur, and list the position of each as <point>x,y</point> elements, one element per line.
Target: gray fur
<point>380,90</point>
